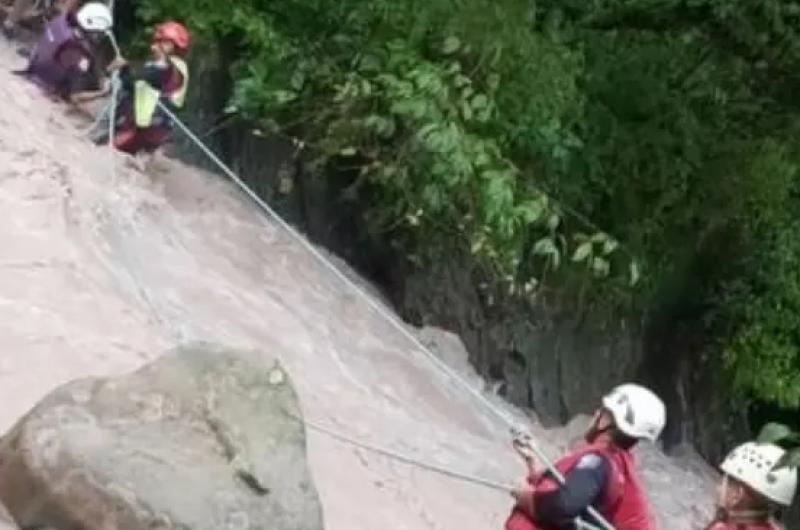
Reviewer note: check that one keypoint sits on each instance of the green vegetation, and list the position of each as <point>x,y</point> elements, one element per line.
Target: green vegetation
<point>778,433</point>
<point>564,143</point>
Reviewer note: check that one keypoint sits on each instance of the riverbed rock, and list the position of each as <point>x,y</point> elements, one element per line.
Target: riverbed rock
<point>202,439</point>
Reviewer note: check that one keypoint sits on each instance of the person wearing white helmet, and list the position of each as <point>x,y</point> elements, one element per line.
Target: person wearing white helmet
<point>601,473</point>
<point>94,17</point>
<point>755,487</point>
<point>63,61</point>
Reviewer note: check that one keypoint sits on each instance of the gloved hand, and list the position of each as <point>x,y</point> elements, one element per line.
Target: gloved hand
<point>522,445</point>
<point>117,64</point>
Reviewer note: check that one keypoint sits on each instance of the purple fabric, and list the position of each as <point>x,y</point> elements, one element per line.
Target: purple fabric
<point>43,65</point>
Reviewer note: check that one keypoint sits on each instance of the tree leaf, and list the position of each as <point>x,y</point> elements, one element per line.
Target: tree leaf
<point>547,247</point>
<point>793,459</point>
<point>466,111</point>
<point>477,245</point>
<point>531,211</point>
<point>369,63</point>
<point>366,87</point>
<point>580,237</point>
<point>426,130</point>
<point>582,252</point>
<point>610,245</point>
<point>454,68</point>
<point>774,432</point>
<point>298,80</point>
<point>348,151</point>
<point>601,267</point>
<point>284,96</point>
<point>451,45</point>
<point>635,274</point>
<point>480,102</point>
<point>462,81</point>
<point>790,459</point>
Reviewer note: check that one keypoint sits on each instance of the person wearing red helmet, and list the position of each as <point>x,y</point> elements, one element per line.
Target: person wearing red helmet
<point>141,126</point>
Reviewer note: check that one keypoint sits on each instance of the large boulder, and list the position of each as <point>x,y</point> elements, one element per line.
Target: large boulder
<point>203,439</point>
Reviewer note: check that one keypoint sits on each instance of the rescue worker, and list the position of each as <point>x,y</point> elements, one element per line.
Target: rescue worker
<point>753,490</point>
<point>63,61</point>
<point>26,10</point>
<point>600,474</point>
<point>141,126</point>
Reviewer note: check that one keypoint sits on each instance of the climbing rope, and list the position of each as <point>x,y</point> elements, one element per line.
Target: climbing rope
<point>400,457</point>
<point>415,462</point>
<point>374,304</point>
<point>112,119</point>
<point>111,112</point>
<point>392,319</point>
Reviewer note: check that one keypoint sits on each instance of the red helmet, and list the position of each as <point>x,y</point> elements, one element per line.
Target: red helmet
<point>174,32</point>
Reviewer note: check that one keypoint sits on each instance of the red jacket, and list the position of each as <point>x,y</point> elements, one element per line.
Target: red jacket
<point>623,502</point>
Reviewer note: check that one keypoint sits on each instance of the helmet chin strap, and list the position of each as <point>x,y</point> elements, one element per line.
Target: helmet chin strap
<point>744,516</point>
<point>595,431</point>
<point>732,515</point>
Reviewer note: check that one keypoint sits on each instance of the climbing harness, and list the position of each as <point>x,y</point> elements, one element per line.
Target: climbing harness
<point>392,319</point>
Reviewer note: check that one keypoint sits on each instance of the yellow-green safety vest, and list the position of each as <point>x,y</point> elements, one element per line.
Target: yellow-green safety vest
<point>146,97</point>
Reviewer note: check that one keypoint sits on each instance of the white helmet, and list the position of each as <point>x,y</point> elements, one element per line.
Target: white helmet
<point>637,411</point>
<point>753,464</point>
<point>95,16</point>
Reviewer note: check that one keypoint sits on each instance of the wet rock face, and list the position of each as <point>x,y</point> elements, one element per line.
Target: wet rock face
<point>203,439</point>
<point>7,522</point>
<point>539,367</point>
<point>536,365</point>
<point>546,358</point>
<point>560,362</point>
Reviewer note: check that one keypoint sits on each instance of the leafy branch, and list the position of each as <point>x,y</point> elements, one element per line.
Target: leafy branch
<point>776,433</point>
